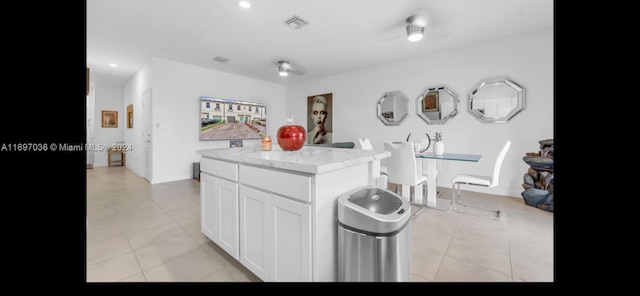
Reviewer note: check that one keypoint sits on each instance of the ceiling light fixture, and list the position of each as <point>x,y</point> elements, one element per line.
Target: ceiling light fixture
<point>415,27</point>
<point>244,4</point>
<point>113,65</point>
<point>283,68</point>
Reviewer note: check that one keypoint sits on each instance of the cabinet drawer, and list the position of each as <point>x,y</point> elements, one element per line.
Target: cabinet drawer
<point>218,168</point>
<point>291,185</point>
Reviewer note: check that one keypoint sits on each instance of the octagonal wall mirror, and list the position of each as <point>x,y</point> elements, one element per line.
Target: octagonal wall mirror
<point>496,100</point>
<point>437,104</point>
<point>393,108</point>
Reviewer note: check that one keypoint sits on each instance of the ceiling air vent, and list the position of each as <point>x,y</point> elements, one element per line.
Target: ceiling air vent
<point>221,59</point>
<point>295,22</point>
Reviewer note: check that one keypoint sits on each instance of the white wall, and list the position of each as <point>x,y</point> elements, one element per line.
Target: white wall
<point>527,59</point>
<point>176,92</point>
<point>90,122</point>
<point>133,90</point>
<point>107,97</point>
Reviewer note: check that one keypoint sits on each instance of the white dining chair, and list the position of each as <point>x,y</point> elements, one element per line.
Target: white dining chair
<point>479,180</point>
<point>365,144</point>
<point>402,169</point>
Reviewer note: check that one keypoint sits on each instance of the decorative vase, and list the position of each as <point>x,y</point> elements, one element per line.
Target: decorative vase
<point>291,137</point>
<point>438,148</point>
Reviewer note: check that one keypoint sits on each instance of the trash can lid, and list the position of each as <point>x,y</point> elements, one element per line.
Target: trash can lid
<point>375,200</point>
<point>373,211</point>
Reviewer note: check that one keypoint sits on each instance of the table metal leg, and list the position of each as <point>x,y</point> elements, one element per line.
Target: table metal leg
<point>433,202</point>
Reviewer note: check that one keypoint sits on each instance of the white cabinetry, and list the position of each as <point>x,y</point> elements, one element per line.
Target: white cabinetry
<point>219,208</point>
<point>290,247</point>
<point>275,236</point>
<point>275,211</point>
<point>207,205</point>
<point>254,231</point>
<point>226,220</point>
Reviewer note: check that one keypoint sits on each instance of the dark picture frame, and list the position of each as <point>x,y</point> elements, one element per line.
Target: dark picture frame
<point>130,116</point>
<point>109,119</point>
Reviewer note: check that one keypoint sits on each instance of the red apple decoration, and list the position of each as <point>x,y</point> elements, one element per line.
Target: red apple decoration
<point>291,137</point>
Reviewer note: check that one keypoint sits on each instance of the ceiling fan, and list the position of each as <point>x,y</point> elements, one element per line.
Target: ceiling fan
<point>433,26</point>
<point>285,67</point>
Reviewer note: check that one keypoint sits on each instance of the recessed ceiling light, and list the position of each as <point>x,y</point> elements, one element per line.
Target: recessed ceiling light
<point>113,65</point>
<point>244,4</point>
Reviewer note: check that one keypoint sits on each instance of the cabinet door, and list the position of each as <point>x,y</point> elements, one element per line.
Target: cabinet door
<point>254,231</point>
<point>290,244</point>
<point>208,206</point>
<point>226,231</point>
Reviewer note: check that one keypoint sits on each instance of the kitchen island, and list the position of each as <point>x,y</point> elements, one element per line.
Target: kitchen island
<point>275,211</point>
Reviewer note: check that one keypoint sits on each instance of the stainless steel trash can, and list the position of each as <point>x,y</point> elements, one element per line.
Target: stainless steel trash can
<point>374,236</point>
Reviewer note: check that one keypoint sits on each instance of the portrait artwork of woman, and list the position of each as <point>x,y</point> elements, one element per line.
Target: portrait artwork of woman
<point>319,131</point>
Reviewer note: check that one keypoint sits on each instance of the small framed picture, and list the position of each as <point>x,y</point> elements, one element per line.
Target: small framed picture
<point>109,118</point>
<point>430,102</point>
<point>235,143</point>
<point>130,116</point>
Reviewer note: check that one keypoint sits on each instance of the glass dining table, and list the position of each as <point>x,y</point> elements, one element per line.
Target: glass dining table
<point>433,168</point>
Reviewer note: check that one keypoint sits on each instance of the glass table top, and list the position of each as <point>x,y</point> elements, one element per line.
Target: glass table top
<point>451,156</point>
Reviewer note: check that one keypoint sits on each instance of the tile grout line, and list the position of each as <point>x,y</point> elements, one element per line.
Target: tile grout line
<point>174,221</point>
<point>105,259</point>
<point>137,261</point>
<point>506,230</point>
<point>171,218</point>
<point>511,252</point>
<point>486,267</point>
<point>448,246</point>
<point>508,245</point>
<point>195,239</point>
<point>464,260</point>
<point>199,245</point>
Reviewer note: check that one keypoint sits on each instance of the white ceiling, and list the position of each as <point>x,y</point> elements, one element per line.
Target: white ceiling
<point>342,35</point>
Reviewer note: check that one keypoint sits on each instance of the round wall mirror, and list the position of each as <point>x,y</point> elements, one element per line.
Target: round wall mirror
<point>393,108</point>
<point>496,100</point>
<point>437,104</point>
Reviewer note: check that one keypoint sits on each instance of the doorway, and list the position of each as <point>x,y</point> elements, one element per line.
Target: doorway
<point>146,134</point>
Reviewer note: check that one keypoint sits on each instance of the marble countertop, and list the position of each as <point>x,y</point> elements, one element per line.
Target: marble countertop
<point>313,160</point>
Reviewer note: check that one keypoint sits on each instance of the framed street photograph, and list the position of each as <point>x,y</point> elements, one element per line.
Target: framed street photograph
<point>109,118</point>
<point>227,119</point>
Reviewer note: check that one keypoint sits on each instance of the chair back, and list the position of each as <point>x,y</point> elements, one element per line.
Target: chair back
<point>365,144</point>
<point>401,166</point>
<point>495,178</point>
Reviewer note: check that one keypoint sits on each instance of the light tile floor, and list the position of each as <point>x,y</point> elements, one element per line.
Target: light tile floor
<point>138,232</point>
